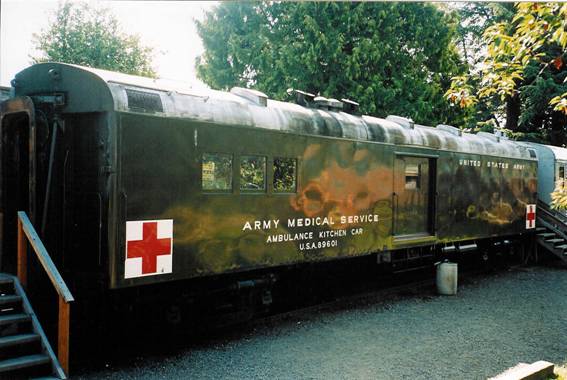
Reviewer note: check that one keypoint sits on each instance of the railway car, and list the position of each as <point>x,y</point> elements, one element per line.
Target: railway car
<point>135,185</point>
<point>552,165</point>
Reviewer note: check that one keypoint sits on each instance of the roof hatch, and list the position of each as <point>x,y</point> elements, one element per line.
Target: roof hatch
<point>254,96</point>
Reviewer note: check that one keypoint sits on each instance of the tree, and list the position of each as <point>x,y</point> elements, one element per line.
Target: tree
<point>523,72</point>
<point>392,58</point>
<point>559,196</point>
<point>87,36</point>
<point>474,19</point>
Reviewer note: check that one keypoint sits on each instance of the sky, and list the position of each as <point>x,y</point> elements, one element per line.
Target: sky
<point>167,26</point>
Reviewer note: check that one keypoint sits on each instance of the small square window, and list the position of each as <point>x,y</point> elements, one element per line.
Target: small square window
<point>285,170</point>
<point>252,173</point>
<point>217,171</point>
<point>413,173</point>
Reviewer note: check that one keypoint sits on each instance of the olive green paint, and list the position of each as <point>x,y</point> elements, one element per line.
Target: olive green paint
<point>162,180</point>
<point>134,165</point>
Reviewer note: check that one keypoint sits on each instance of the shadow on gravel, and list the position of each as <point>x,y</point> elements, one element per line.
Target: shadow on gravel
<point>307,292</point>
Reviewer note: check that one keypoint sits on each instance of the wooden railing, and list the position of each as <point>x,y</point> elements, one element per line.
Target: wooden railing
<point>26,229</point>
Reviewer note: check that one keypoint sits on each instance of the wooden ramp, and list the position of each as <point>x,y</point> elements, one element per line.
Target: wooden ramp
<point>25,351</point>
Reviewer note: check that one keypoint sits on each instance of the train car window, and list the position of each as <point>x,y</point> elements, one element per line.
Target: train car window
<point>217,171</point>
<point>143,101</point>
<point>252,173</point>
<point>413,172</point>
<point>285,175</point>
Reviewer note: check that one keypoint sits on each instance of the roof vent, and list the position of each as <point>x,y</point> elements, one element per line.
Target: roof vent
<point>489,136</point>
<point>403,121</point>
<point>449,128</point>
<point>254,96</point>
<point>301,97</point>
<point>327,104</point>
<point>500,133</point>
<point>350,106</point>
<point>142,101</point>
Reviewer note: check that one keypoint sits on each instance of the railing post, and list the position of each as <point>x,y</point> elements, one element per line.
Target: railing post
<point>27,234</point>
<point>63,332</point>
<point>22,265</point>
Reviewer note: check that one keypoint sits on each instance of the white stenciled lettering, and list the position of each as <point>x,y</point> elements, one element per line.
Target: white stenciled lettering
<point>307,222</point>
<point>464,162</point>
<point>331,233</point>
<point>261,225</point>
<point>267,224</point>
<point>318,245</point>
<point>355,219</point>
<point>499,165</point>
<point>279,238</point>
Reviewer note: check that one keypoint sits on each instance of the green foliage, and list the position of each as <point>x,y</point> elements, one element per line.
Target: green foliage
<point>474,19</point>
<point>523,72</point>
<point>217,171</point>
<point>482,114</point>
<point>284,174</point>
<point>83,35</point>
<point>392,58</point>
<point>461,92</point>
<point>252,173</point>
<point>559,196</point>
<point>536,95</point>
<point>560,103</point>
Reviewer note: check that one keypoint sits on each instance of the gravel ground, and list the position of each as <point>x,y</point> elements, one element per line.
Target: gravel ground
<point>493,323</point>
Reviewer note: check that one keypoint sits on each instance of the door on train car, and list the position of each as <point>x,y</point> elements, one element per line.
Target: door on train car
<point>17,173</point>
<point>414,196</point>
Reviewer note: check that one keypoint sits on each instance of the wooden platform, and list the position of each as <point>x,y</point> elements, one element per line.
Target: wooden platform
<point>536,371</point>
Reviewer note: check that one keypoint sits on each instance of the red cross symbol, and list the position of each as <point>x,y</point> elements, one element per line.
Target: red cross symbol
<point>530,216</point>
<point>149,248</point>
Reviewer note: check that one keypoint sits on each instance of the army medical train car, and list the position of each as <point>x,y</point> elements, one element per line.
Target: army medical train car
<point>134,183</point>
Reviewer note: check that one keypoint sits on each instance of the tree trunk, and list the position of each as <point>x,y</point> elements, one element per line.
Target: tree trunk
<point>558,124</point>
<point>512,113</point>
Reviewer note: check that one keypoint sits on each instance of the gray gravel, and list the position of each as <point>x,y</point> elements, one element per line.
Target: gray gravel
<point>493,323</point>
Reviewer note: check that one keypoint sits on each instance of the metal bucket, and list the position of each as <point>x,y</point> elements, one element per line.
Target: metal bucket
<point>447,276</point>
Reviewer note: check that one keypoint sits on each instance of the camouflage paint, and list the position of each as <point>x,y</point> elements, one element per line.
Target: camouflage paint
<point>336,178</point>
<point>144,164</point>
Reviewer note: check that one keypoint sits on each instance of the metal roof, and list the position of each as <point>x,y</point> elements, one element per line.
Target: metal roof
<point>559,153</point>
<point>546,152</point>
<point>91,90</point>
